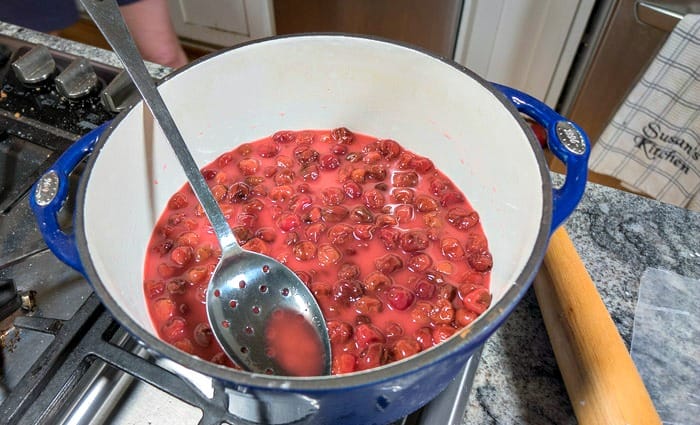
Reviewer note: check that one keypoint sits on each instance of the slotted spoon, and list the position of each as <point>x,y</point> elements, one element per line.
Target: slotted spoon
<point>247,290</point>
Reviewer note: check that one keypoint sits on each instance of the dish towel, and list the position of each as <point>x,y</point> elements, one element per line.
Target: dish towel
<point>652,143</point>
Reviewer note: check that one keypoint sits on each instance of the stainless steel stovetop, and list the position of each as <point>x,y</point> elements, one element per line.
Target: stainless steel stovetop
<point>64,359</point>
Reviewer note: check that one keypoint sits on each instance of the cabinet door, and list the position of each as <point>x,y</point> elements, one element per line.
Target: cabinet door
<point>429,24</point>
<point>221,23</point>
<point>526,44</point>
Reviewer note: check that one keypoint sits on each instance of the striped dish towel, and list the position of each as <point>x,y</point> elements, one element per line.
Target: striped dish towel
<point>653,142</point>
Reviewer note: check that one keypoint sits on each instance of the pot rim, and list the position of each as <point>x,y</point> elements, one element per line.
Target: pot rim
<point>468,338</point>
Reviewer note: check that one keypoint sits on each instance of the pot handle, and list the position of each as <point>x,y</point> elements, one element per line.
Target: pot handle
<point>50,192</point>
<point>567,141</point>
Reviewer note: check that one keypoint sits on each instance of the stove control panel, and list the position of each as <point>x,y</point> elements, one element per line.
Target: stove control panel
<point>48,100</point>
<point>62,91</point>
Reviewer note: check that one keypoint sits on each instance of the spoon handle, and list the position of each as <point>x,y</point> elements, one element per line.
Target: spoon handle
<point>108,18</point>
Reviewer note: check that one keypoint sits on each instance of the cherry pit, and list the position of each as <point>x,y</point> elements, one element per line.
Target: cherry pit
<point>392,250</point>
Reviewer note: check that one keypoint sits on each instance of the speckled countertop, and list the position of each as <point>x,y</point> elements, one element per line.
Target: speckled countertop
<point>618,236</point>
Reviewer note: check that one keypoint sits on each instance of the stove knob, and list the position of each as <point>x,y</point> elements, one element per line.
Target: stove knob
<point>78,79</point>
<point>34,66</point>
<point>119,94</point>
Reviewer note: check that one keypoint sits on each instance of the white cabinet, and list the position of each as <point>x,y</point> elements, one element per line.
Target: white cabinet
<point>526,44</point>
<point>220,23</point>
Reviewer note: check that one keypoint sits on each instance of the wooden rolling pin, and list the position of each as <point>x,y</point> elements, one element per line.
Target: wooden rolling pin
<point>603,383</point>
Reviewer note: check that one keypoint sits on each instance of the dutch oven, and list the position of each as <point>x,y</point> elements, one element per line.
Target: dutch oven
<point>471,129</point>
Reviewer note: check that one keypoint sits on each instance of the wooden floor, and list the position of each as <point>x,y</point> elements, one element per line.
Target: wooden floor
<point>87,33</point>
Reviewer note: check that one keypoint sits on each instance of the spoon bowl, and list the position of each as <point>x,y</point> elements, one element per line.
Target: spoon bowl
<point>252,299</point>
<point>248,292</point>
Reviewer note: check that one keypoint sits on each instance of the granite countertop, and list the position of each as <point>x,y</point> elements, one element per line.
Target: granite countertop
<point>618,236</point>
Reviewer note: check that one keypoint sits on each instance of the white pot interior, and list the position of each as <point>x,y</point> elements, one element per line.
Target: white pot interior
<point>314,82</point>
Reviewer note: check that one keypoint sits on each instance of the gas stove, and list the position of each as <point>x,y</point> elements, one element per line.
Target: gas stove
<point>64,359</point>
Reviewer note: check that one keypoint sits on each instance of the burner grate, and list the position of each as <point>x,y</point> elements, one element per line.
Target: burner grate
<point>43,396</point>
